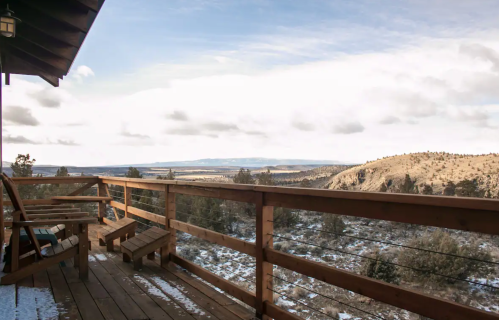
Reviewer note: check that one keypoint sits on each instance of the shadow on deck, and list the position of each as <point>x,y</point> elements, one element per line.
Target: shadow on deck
<point>115,291</point>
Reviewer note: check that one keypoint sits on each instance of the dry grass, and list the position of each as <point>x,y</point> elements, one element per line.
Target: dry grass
<point>432,168</point>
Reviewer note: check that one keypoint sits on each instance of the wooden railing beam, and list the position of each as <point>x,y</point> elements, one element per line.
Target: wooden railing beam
<point>101,192</point>
<point>170,214</point>
<point>55,180</point>
<point>146,215</point>
<point>264,269</point>
<point>417,302</point>
<point>483,221</point>
<point>219,282</point>
<point>226,194</point>
<point>215,237</point>
<point>128,199</point>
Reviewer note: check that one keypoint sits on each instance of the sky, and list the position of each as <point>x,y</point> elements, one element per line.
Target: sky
<point>339,80</point>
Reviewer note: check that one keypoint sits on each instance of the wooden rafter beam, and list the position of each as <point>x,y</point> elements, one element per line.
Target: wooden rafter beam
<point>62,11</point>
<point>48,43</point>
<point>34,61</point>
<point>51,27</point>
<point>41,54</point>
<point>17,65</point>
<point>93,5</point>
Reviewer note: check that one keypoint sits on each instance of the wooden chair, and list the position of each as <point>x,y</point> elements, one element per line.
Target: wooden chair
<point>25,265</point>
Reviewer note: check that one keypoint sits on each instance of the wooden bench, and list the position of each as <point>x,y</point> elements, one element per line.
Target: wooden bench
<point>114,230</point>
<point>145,243</point>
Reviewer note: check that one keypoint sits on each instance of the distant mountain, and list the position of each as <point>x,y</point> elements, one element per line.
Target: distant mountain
<point>233,162</point>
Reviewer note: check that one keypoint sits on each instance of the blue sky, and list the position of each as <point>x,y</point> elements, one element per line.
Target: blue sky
<point>343,80</point>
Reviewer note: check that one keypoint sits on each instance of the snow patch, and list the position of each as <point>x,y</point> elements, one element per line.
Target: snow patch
<point>8,302</point>
<point>152,289</point>
<point>33,303</point>
<point>101,257</point>
<point>189,305</point>
<point>91,258</point>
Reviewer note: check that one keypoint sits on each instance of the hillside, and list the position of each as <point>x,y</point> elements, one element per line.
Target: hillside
<point>431,168</point>
<point>318,177</point>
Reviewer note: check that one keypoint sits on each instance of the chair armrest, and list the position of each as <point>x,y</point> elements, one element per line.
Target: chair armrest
<point>53,222</point>
<point>58,215</point>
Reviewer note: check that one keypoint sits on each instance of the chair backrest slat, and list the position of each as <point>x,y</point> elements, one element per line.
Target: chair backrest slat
<point>17,202</point>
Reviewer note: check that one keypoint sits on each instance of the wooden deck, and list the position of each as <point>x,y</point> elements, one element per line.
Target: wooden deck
<point>115,291</point>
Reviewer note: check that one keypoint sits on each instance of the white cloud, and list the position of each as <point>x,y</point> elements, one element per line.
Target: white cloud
<point>348,127</point>
<point>82,72</point>
<point>389,120</point>
<point>343,101</point>
<point>16,115</point>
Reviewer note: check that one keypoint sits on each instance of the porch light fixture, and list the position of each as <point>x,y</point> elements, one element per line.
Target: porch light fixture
<point>8,23</point>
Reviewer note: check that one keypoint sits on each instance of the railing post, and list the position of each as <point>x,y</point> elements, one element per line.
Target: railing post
<point>264,270</point>
<point>128,199</point>
<point>2,227</point>
<point>101,192</point>
<point>170,213</point>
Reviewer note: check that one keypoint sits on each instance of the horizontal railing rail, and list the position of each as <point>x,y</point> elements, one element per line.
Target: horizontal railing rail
<point>466,214</point>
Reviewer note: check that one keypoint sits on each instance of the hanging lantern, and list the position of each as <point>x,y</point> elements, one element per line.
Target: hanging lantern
<point>8,23</point>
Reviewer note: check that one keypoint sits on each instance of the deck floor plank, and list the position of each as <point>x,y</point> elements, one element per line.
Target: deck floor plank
<point>144,281</point>
<point>114,291</point>
<point>86,304</point>
<point>193,294</point>
<point>62,294</point>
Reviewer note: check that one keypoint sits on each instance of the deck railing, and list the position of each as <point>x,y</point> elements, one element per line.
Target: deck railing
<point>466,214</point>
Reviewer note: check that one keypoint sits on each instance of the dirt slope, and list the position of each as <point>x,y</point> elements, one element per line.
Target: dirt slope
<point>432,168</point>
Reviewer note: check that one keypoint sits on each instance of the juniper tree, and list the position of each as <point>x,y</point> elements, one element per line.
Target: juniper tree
<point>378,268</point>
<point>427,267</point>
<point>23,167</point>
<point>133,173</point>
<point>383,188</point>
<point>407,186</point>
<point>468,188</point>
<point>333,223</point>
<point>62,172</point>
<point>169,176</point>
<point>427,189</point>
<point>265,178</point>
<point>243,177</point>
<point>450,189</point>
<point>305,183</point>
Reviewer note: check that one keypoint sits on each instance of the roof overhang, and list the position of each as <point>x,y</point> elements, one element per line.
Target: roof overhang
<point>49,37</point>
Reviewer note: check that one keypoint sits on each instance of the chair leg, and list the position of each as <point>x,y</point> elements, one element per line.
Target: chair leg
<point>165,256</point>
<point>102,243</point>
<point>131,234</point>
<point>137,264</point>
<point>83,251</point>
<point>126,258</point>
<point>110,246</point>
<point>14,253</point>
<point>122,239</point>
<point>150,256</point>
